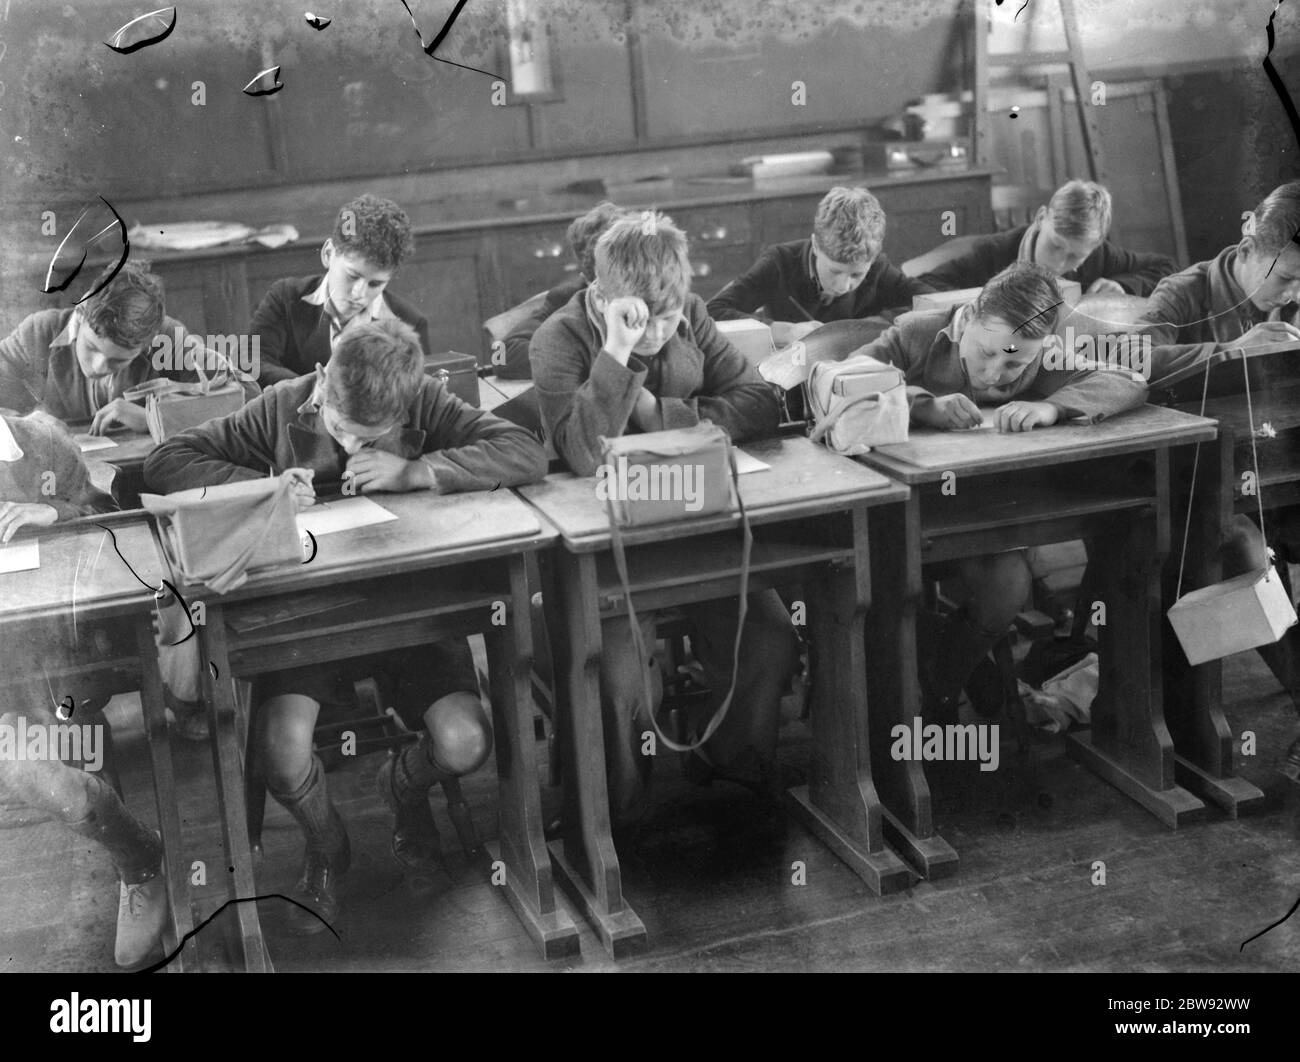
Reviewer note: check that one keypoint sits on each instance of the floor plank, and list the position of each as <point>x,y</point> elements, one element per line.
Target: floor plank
<point>709,872</point>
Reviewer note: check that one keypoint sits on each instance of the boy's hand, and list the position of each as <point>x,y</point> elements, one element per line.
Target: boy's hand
<point>119,411</point>
<point>378,470</point>
<point>786,332</point>
<point>645,414</point>
<point>1105,286</point>
<point>951,412</point>
<point>625,322</point>
<point>14,515</point>
<point>1266,332</point>
<point>299,480</point>
<point>1021,416</point>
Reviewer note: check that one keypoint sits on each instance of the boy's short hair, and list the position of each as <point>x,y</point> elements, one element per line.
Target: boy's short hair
<point>1025,296</point>
<point>375,371</point>
<point>584,231</point>
<point>1080,210</point>
<point>647,257</point>
<point>850,225</point>
<point>1277,220</point>
<point>129,309</point>
<point>375,229</point>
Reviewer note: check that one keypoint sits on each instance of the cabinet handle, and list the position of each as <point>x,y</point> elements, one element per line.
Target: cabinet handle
<point>702,269</point>
<point>552,251</point>
<point>718,232</point>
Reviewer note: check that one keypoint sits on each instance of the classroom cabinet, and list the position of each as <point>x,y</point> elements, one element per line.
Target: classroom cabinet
<point>463,273</point>
<point>533,258</point>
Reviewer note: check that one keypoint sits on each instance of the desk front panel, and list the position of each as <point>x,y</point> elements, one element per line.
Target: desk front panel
<point>82,574</point>
<point>804,481</point>
<point>929,454</point>
<point>431,531</point>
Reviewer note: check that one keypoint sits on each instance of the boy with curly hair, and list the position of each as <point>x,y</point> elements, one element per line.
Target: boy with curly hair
<point>301,318</point>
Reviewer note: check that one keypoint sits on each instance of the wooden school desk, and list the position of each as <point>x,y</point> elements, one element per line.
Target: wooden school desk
<point>446,566</point>
<point>1014,489</point>
<point>814,517</point>
<point>1205,742</point>
<point>82,580</point>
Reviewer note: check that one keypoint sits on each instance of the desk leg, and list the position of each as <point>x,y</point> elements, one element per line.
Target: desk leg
<point>522,846</point>
<point>1202,739</point>
<point>164,775</point>
<point>219,695</point>
<point>585,856</point>
<point>892,685</point>
<point>839,804</point>
<point>1129,744</point>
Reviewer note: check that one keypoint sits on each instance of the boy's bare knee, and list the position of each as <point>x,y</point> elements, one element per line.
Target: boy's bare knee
<point>285,736</point>
<point>461,733</point>
<point>999,584</point>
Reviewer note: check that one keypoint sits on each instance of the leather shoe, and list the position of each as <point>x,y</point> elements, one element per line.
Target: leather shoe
<point>1291,765</point>
<point>317,889</point>
<point>416,842</point>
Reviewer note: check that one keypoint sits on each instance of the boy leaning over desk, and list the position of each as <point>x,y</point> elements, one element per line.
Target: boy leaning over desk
<point>1245,296</point>
<point>990,352</point>
<point>637,352</point>
<point>374,415</point>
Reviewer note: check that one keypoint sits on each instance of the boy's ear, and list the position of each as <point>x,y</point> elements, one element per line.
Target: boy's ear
<point>327,252</point>
<point>598,296</point>
<point>1039,214</point>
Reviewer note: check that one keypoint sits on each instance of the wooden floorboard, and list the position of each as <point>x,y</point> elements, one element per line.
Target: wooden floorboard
<point>709,872</point>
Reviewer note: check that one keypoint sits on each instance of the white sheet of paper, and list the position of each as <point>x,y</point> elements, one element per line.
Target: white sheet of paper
<point>86,443</point>
<point>20,556</point>
<point>342,515</point>
<point>787,367</point>
<point>748,463</point>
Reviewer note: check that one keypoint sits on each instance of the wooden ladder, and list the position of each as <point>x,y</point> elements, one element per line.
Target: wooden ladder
<point>1072,58</point>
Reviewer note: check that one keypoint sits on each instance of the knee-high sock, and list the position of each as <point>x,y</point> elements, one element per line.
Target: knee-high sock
<point>416,771</point>
<point>1283,659</point>
<point>310,804</point>
<point>88,806</point>
<point>949,649</point>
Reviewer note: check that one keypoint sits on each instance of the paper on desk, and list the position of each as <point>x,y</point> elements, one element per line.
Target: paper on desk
<point>342,515</point>
<point>787,367</point>
<point>748,463</point>
<point>86,443</point>
<point>20,556</point>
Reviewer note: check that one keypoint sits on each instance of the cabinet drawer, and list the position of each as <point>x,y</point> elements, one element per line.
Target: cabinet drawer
<point>713,268</point>
<point>784,220</point>
<point>533,259</point>
<point>714,226</point>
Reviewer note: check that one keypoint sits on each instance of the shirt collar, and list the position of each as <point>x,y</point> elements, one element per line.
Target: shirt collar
<point>397,440</point>
<point>378,310</point>
<point>9,448</point>
<point>956,325</point>
<point>1025,253</point>
<point>68,336</point>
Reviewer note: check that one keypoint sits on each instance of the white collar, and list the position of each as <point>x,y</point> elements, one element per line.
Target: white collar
<point>378,310</point>
<point>9,448</point>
